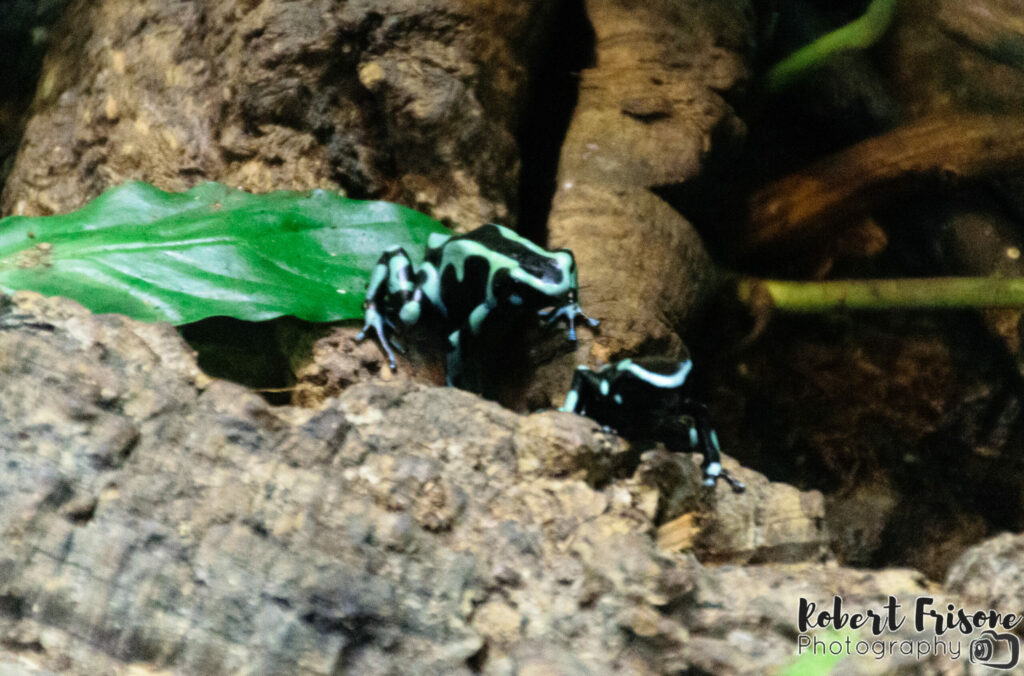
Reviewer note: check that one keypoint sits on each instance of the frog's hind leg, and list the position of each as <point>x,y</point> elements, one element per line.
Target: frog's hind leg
<point>703,436</point>
<point>584,384</point>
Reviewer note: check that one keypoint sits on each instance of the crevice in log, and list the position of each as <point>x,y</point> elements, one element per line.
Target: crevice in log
<point>24,33</point>
<point>242,352</point>
<point>551,99</point>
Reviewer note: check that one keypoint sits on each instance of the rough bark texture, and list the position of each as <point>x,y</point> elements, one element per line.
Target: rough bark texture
<point>153,517</point>
<point>952,57</point>
<point>154,520</point>
<point>991,570</point>
<point>416,102</point>
<point>647,113</point>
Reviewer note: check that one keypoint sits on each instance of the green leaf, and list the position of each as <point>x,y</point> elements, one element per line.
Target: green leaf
<point>212,250</point>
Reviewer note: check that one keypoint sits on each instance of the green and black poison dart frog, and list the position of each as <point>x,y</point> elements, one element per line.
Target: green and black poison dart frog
<point>647,398</point>
<point>464,280</point>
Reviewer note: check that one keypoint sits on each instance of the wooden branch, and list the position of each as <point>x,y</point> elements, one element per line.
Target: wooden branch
<point>839,189</point>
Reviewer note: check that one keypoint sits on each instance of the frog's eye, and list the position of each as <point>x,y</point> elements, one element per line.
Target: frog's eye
<point>568,255</point>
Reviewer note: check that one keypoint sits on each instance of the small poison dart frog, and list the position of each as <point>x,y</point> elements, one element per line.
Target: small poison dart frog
<point>644,398</point>
<point>465,279</point>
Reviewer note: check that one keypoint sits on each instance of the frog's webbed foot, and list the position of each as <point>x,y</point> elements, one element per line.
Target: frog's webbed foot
<point>376,322</point>
<point>570,312</point>
<point>713,471</point>
<point>703,437</point>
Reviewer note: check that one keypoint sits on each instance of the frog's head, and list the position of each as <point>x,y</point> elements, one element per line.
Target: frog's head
<point>567,264</point>
<point>569,293</point>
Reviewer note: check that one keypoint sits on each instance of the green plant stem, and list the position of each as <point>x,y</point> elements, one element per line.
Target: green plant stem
<point>858,34</point>
<point>886,294</point>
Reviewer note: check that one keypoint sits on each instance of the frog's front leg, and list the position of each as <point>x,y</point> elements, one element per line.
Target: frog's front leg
<point>707,441</point>
<point>375,321</point>
<point>570,312</point>
<point>390,290</point>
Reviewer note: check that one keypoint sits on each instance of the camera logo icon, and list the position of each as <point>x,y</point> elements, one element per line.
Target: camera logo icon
<point>983,650</point>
